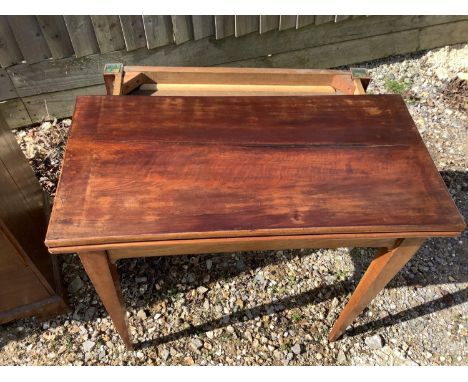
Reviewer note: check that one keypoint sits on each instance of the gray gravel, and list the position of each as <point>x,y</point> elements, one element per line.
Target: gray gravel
<point>276,307</point>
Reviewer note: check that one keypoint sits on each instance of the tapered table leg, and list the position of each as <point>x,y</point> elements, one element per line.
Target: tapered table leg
<point>103,275</point>
<point>381,270</point>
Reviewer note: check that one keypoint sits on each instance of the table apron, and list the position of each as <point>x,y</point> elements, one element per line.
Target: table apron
<point>220,245</point>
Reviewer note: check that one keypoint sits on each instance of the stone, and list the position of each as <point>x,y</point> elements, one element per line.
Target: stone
<point>196,344</point>
<point>341,358</point>
<point>165,354</point>
<point>259,279</point>
<point>75,285</point>
<point>374,342</point>
<point>141,314</point>
<point>209,264</point>
<point>202,290</point>
<point>240,265</point>
<point>88,346</point>
<point>230,329</point>
<point>240,303</point>
<point>210,334</point>
<point>277,354</point>
<point>297,349</point>
<point>189,361</point>
<point>90,312</point>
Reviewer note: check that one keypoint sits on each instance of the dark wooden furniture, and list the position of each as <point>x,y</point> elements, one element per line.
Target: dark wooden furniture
<point>153,176</point>
<point>29,277</point>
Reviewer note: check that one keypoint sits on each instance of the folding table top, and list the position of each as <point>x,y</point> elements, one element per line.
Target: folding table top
<point>159,168</point>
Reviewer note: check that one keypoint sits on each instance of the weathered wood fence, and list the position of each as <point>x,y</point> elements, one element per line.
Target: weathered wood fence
<point>46,61</point>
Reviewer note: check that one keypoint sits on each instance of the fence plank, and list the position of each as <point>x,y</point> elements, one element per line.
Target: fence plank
<point>10,53</point>
<point>339,18</point>
<point>246,24</point>
<point>303,20</point>
<point>48,76</point>
<point>81,32</point>
<point>224,26</point>
<point>133,32</point>
<point>7,90</point>
<point>287,22</point>
<point>108,33</point>
<point>183,29</point>
<point>203,26</point>
<point>322,19</point>
<point>351,52</point>
<point>59,105</point>
<point>268,23</point>
<point>158,30</point>
<point>14,113</point>
<point>56,34</point>
<point>29,37</point>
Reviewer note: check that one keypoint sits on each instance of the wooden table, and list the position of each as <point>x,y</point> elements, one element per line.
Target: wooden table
<point>155,176</point>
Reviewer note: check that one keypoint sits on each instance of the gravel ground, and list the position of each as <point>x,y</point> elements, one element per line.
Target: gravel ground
<point>276,307</point>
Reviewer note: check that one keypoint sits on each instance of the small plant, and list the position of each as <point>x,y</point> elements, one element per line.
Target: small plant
<point>174,295</point>
<point>296,317</point>
<point>341,275</point>
<point>395,86</point>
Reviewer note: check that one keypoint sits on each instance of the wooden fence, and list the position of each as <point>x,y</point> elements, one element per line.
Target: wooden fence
<point>46,61</point>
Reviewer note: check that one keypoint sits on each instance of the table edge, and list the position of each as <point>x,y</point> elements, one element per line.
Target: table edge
<point>88,246</point>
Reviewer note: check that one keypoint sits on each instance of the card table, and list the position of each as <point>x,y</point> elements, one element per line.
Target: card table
<point>174,175</point>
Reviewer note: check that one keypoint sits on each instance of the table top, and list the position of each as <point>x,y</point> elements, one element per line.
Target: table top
<point>160,168</point>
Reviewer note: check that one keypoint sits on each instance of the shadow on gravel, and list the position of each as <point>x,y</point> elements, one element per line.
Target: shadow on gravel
<point>439,261</point>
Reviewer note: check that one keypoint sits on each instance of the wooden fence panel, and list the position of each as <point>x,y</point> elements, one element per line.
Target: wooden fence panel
<point>322,19</point>
<point>158,30</point>
<point>303,21</point>
<point>29,37</point>
<point>133,32</point>
<point>7,89</point>
<point>268,23</point>
<point>15,114</point>
<point>10,53</point>
<point>203,26</point>
<point>183,29</point>
<point>108,33</point>
<point>56,34</point>
<point>246,24</point>
<point>287,22</point>
<point>81,32</point>
<point>224,26</point>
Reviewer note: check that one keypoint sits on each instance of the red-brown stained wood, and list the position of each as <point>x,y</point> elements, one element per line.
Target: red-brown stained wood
<point>154,168</point>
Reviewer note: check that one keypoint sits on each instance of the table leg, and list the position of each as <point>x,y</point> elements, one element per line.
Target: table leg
<point>104,276</point>
<point>381,270</point>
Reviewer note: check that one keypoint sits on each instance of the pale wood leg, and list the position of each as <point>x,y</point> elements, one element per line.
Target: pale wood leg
<point>104,276</point>
<point>381,270</point>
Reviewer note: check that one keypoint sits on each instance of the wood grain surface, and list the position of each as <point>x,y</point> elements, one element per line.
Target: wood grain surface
<point>157,168</point>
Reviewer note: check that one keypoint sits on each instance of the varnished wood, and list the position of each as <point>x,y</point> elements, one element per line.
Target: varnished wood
<point>376,239</point>
<point>220,245</point>
<point>103,275</point>
<point>205,174</point>
<point>276,166</point>
<point>382,269</point>
<point>195,81</point>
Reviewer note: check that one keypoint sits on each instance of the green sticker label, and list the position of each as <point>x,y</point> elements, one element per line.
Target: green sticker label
<point>113,68</point>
